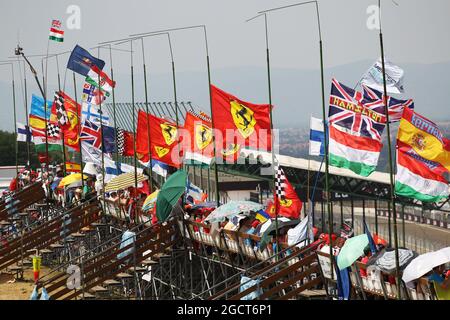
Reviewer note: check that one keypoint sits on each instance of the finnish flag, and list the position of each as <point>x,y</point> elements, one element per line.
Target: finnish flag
<point>316,138</point>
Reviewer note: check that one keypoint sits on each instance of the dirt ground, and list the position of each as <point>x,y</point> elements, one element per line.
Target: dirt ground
<point>11,289</point>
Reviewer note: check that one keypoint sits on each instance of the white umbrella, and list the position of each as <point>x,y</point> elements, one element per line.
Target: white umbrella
<point>425,263</point>
<point>232,209</point>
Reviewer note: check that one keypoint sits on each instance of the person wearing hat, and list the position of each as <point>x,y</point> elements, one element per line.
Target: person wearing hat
<point>77,196</point>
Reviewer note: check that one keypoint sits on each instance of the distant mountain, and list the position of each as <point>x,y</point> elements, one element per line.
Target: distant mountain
<point>296,93</point>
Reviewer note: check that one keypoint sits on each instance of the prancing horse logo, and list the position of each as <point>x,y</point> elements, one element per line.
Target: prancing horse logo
<point>243,118</point>
<point>169,133</point>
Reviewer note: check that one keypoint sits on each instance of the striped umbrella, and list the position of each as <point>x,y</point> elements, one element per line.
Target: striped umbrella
<point>124,181</point>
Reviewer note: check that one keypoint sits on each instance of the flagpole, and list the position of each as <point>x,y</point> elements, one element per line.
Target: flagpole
<point>391,168</point>
<point>330,218</point>
<point>62,131</point>
<point>79,128</point>
<point>14,113</point>
<point>101,133</point>
<point>44,82</point>
<point>269,87</point>
<point>19,52</point>
<point>216,172</point>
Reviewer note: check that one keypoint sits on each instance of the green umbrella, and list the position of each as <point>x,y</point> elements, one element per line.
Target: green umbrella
<point>170,193</point>
<point>352,250</point>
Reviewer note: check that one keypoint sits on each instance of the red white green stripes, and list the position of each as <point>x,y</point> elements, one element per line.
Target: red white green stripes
<point>99,79</point>
<point>56,35</point>
<point>416,179</point>
<point>356,153</point>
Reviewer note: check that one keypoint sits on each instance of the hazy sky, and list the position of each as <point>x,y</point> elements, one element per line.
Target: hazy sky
<point>416,32</point>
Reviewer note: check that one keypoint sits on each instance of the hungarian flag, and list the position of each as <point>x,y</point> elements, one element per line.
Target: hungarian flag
<point>164,138</point>
<point>198,147</point>
<point>354,131</point>
<point>286,200</point>
<point>71,110</point>
<point>56,34</point>
<point>99,79</point>
<point>245,123</point>
<point>418,178</point>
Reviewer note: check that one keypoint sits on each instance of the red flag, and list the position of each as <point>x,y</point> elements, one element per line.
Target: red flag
<point>164,137</point>
<point>198,147</point>
<point>287,203</point>
<point>248,124</point>
<point>71,129</point>
<point>128,144</point>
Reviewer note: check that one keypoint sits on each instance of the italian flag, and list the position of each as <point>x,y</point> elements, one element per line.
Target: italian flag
<point>56,35</point>
<point>99,79</point>
<point>356,153</point>
<point>416,179</point>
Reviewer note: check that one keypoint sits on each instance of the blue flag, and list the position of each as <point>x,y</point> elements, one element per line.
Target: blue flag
<point>109,139</point>
<point>37,107</point>
<point>80,61</point>
<point>373,247</point>
<point>316,138</point>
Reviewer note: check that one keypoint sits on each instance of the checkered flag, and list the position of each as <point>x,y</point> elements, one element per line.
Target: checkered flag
<point>61,113</point>
<point>280,183</point>
<point>120,141</point>
<point>53,130</point>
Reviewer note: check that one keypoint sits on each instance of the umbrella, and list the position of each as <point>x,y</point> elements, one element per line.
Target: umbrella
<point>71,178</point>
<point>124,181</point>
<point>269,228</point>
<point>352,250</point>
<point>149,203</point>
<point>385,259</point>
<point>233,208</point>
<point>425,263</point>
<point>170,193</point>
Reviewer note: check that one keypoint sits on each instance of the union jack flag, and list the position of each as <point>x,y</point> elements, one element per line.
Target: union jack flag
<point>56,24</point>
<point>91,134</point>
<point>373,99</point>
<point>348,111</point>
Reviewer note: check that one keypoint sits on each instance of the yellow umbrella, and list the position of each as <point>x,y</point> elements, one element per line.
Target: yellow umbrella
<point>123,181</point>
<point>71,178</point>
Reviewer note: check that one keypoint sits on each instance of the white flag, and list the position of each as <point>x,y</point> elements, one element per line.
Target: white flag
<point>316,138</point>
<point>394,77</point>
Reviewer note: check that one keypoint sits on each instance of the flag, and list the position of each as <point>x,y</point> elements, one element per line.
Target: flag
<point>53,130</point>
<point>373,247</point>
<point>394,77</point>
<point>91,134</point>
<point>199,147</point>
<point>90,153</point>
<point>164,137</point>
<point>24,133</point>
<point>424,137</point>
<point>373,99</point>
<point>287,202</point>
<point>354,131</point>
<point>418,178</point>
<point>81,61</point>
<point>92,95</point>
<point>125,143</point>
<point>91,112</point>
<point>73,167</point>
<point>194,194</point>
<point>262,216</point>
<point>99,79</point>
<point>56,34</point>
<point>316,138</point>
<point>37,107</point>
<point>59,110</point>
<point>71,128</point>
<point>109,139</point>
<point>249,123</point>
<point>54,144</point>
